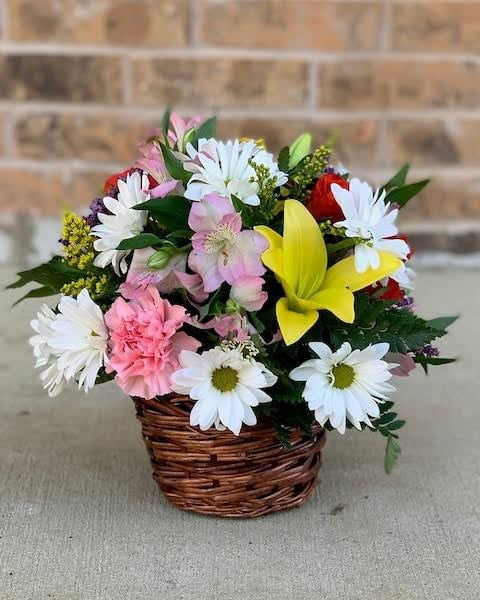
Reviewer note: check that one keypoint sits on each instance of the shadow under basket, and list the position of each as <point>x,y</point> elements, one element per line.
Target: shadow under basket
<point>217,473</point>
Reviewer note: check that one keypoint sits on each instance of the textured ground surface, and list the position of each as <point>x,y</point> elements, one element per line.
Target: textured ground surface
<point>80,518</point>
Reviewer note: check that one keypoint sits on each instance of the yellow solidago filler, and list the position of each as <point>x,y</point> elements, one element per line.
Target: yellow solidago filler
<point>78,243</point>
<point>95,285</point>
<point>299,260</point>
<point>260,142</point>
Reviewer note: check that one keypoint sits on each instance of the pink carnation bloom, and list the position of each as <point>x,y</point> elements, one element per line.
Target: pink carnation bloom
<point>221,250</point>
<point>172,277</point>
<point>145,343</point>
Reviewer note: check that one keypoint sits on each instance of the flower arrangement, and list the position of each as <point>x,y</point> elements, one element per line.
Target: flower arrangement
<point>260,287</point>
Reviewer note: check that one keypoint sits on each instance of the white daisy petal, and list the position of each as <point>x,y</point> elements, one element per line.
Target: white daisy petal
<point>346,384</point>
<point>225,385</point>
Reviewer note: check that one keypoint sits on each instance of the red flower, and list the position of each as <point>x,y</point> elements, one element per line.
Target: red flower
<point>112,181</point>
<point>392,291</point>
<point>321,203</point>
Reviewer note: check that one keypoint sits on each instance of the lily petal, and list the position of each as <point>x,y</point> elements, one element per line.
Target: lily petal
<point>304,251</point>
<point>339,301</point>
<point>344,273</point>
<point>294,325</point>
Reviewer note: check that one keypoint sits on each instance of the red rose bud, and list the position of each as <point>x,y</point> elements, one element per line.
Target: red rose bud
<point>322,203</point>
<point>112,182</point>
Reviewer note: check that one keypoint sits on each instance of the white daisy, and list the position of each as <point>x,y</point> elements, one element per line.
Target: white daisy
<point>52,377</point>
<point>72,343</point>
<point>224,168</point>
<point>345,384</point>
<point>368,217</point>
<point>123,223</point>
<point>225,386</point>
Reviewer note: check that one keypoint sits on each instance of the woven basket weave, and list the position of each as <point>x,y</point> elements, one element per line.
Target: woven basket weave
<point>217,473</point>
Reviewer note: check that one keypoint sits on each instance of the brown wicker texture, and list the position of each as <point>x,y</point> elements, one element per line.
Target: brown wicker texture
<point>217,473</point>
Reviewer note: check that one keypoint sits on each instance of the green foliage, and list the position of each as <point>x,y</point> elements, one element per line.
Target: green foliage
<point>425,361</point>
<point>398,191</point>
<point>166,121</point>
<point>171,212</point>
<point>398,179</point>
<point>377,321</point>
<point>174,166</point>
<point>442,322</point>
<point>392,452</point>
<point>205,130</point>
<point>52,276</point>
<point>143,240</point>
<point>403,194</point>
<point>284,159</point>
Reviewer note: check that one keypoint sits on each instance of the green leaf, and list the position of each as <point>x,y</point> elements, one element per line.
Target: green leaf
<point>299,149</point>
<point>40,292</point>
<point>174,166</point>
<point>423,360</point>
<point>392,452</point>
<point>166,121</point>
<point>398,179</point>
<point>377,321</point>
<point>385,418</point>
<point>395,425</point>
<point>244,210</point>
<point>144,240</point>
<point>53,275</point>
<point>442,322</point>
<point>402,195</point>
<point>171,212</point>
<point>284,159</point>
<point>207,129</point>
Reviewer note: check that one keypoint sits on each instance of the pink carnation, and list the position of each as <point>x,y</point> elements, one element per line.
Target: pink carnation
<point>145,342</point>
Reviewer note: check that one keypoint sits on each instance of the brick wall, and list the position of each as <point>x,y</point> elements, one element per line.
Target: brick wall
<point>393,80</point>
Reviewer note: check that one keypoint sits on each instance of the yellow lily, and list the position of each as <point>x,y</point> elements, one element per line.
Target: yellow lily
<point>299,260</point>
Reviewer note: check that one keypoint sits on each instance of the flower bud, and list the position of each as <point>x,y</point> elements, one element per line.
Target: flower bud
<point>160,258</point>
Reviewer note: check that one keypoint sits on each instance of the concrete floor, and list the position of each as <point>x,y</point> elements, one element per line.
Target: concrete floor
<point>81,519</point>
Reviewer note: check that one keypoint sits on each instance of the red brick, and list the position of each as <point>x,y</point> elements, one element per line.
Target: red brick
<point>356,142</point>
<point>135,22</point>
<point>60,78</point>
<point>299,24</point>
<point>93,138</point>
<point>399,84</point>
<point>436,26</point>
<point>47,192</point>
<point>220,82</point>
<point>445,199</point>
<point>425,143</point>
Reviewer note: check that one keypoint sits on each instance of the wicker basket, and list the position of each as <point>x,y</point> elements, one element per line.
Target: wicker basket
<point>217,473</point>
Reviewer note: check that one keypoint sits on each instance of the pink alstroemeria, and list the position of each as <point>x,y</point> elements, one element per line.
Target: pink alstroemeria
<point>247,292</point>
<point>153,163</point>
<point>233,326</point>
<point>405,364</point>
<point>221,250</point>
<point>179,127</point>
<point>172,277</point>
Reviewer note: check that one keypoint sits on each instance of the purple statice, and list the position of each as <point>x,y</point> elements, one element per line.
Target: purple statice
<point>406,303</point>
<point>429,351</point>
<point>96,206</point>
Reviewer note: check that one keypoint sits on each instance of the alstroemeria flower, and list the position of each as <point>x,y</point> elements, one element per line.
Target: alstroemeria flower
<point>221,250</point>
<point>171,277</point>
<point>299,260</point>
<point>247,292</point>
<point>179,128</point>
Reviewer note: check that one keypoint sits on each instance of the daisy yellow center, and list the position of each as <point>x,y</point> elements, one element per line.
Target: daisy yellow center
<point>342,376</point>
<point>216,240</point>
<point>225,379</point>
